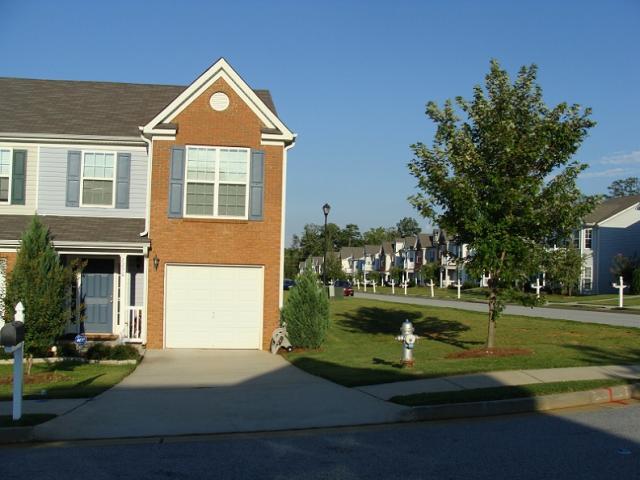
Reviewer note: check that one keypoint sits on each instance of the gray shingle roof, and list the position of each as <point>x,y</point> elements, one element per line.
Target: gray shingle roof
<point>78,229</point>
<point>66,107</point>
<point>610,207</point>
<point>426,240</point>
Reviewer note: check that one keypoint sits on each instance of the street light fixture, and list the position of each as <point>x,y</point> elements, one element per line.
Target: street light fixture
<point>326,208</point>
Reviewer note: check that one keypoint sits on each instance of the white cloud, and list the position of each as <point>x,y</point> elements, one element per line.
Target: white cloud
<point>622,158</point>
<point>612,172</point>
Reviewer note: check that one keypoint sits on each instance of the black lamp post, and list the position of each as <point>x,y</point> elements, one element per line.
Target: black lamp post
<point>326,208</point>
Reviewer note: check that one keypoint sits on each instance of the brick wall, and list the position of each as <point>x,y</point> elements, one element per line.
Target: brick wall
<point>209,241</point>
<point>11,259</point>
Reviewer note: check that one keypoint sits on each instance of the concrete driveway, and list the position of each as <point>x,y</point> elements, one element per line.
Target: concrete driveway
<point>180,392</point>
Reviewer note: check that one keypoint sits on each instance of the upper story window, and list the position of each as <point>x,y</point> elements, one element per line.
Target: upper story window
<point>588,233</point>
<point>5,175</point>
<point>576,239</point>
<point>216,182</point>
<point>98,179</point>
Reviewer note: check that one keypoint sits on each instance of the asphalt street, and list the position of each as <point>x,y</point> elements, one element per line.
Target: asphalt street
<point>585,316</point>
<point>582,444</point>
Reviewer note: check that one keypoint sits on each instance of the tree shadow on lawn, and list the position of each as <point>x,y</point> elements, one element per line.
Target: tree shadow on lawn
<point>384,321</point>
<point>602,356</point>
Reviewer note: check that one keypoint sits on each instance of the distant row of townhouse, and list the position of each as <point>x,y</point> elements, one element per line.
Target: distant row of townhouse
<point>406,254</point>
<point>613,228</point>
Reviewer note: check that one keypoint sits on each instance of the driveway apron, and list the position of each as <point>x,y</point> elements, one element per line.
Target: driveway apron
<point>180,392</point>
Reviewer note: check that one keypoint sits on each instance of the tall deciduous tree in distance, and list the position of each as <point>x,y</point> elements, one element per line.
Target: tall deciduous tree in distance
<point>624,187</point>
<point>503,180</point>
<point>407,227</point>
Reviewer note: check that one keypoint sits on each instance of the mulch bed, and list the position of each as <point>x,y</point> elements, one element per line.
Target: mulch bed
<point>35,378</point>
<point>491,352</point>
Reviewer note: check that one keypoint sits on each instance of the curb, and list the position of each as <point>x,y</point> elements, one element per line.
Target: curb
<point>521,405</point>
<point>10,435</point>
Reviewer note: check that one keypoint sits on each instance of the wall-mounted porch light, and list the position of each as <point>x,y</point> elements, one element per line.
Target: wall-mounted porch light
<point>156,262</point>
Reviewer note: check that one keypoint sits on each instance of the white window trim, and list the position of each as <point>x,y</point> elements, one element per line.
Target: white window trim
<point>8,201</point>
<point>590,238</point>
<point>216,183</point>
<point>113,180</point>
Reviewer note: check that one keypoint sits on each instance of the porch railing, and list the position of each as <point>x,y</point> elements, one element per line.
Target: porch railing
<point>134,324</point>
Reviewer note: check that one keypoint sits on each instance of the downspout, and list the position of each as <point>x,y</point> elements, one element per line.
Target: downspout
<point>147,215</point>
<point>147,220</point>
<point>282,221</point>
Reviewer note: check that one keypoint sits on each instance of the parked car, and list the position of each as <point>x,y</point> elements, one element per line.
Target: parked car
<point>346,285</point>
<point>288,283</point>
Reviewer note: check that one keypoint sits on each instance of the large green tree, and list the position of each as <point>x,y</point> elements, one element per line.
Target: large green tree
<point>43,284</point>
<point>502,178</point>
<point>377,235</point>
<point>407,227</point>
<point>563,267</point>
<point>624,187</point>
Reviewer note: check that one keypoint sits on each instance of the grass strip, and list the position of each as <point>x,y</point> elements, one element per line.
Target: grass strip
<point>26,420</point>
<point>505,393</point>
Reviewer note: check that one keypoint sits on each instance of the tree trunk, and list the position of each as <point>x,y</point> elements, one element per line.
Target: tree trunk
<point>491,331</point>
<point>29,363</point>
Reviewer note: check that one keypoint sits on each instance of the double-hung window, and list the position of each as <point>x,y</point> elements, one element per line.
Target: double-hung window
<point>588,233</point>
<point>587,278</point>
<point>217,182</point>
<point>5,175</point>
<point>98,179</point>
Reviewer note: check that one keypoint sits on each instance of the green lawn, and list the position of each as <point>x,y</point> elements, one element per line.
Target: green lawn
<point>65,380</point>
<point>361,348</point>
<point>502,393</point>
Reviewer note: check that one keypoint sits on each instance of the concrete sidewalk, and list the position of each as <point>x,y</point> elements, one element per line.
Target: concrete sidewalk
<point>585,316</point>
<point>505,378</point>
<point>56,406</point>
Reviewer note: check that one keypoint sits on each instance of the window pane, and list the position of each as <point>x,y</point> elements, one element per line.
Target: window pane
<point>5,162</point>
<point>4,189</point>
<point>231,200</point>
<point>98,165</point>
<point>200,199</point>
<point>201,164</point>
<point>233,165</point>
<point>97,192</point>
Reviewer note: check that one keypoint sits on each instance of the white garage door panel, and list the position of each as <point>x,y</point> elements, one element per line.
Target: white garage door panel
<point>213,307</point>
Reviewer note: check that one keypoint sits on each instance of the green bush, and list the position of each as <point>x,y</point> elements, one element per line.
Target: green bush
<point>67,349</point>
<point>635,282</point>
<point>306,312</point>
<point>102,351</point>
<point>124,352</point>
<point>98,351</point>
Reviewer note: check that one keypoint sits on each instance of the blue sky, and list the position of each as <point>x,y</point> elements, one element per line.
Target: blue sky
<point>352,77</point>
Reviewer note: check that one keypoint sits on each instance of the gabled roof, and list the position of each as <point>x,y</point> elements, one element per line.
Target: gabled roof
<point>426,240</point>
<point>103,109</point>
<point>610,207</point>
<point>387,247</point>
<point>351,252</point>
<point>371,249</point>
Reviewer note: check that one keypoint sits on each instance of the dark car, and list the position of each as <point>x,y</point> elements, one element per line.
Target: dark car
<point>344,284</point>
<point>288,283</point>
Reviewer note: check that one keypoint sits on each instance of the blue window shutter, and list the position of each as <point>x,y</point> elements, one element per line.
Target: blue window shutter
<point>176,182</point>
<point>256,186</point>
<point>123,180</point>
<point>19,175</point>
<point>74,162</point>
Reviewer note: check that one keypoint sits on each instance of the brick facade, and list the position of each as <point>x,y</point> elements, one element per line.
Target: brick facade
<point>11,259</point>
<point>215,241</point>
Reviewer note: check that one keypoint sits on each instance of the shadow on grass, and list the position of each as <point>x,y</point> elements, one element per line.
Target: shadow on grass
<point>385,321</point>
<point>601,356</point>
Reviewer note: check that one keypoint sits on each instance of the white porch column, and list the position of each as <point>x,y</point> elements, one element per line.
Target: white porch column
<point>124,297</point>
<point>145,272</point>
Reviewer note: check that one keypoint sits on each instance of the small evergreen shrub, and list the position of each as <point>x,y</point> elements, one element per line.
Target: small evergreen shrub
<point>67,349</point>
<point>98,351</point>
<point>124,352</point>
<point>306,312</point>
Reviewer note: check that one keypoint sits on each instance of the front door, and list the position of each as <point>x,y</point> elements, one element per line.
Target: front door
<point>97,295</point>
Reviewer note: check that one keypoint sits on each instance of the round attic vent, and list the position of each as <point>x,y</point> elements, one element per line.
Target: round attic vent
<point>219,101</point>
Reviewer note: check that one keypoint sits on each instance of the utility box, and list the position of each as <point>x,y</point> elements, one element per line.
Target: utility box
<point>12,334</point>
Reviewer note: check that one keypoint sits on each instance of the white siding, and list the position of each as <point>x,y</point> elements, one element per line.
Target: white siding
<point>29,207</point>
<point>53,184</point>
<point>618,235</point>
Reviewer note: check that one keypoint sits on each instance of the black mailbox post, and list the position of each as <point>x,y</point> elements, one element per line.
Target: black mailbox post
<point>12,334</point>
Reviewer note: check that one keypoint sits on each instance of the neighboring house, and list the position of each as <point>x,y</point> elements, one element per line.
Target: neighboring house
<point>350,257</point>
<point>612,228</point>
<point>450,254</point>
<point>151,184</point>
<point>386,260</point>
<point>371,257</point>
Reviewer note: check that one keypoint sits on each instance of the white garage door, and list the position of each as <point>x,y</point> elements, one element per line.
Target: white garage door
<point>213,307</point>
